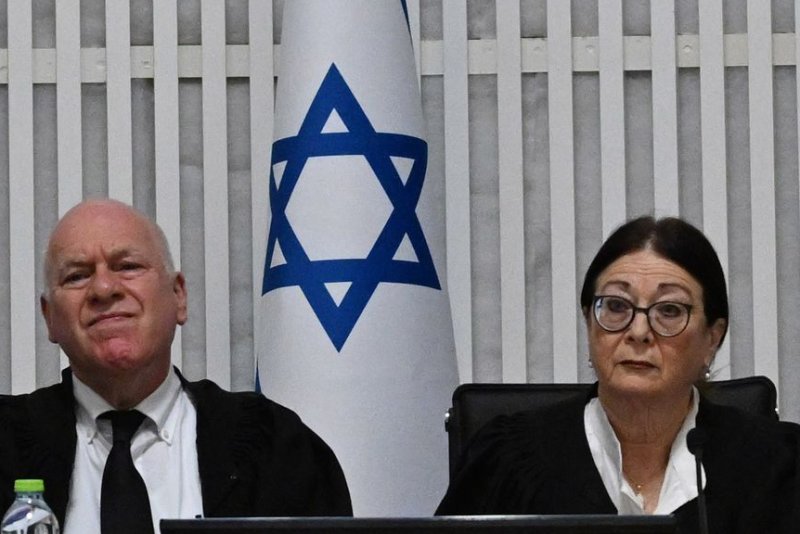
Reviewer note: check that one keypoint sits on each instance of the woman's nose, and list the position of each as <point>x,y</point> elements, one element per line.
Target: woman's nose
<point>639,329</point>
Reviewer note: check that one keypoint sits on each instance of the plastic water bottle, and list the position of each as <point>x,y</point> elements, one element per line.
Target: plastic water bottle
<point>29,514</point>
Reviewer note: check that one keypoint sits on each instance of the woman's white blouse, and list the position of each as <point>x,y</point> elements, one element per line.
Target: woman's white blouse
<point>679,485</point>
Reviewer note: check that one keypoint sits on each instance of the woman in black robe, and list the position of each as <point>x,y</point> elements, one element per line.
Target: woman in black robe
<point>656,309</point>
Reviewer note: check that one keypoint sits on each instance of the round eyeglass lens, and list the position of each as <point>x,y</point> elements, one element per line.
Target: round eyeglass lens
<point>668,318</point>
<point>613,313</point>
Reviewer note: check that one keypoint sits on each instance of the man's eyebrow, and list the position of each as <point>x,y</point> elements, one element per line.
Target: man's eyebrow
<point>70,263</point>
<point>120,253</point>
<point>81,260</point>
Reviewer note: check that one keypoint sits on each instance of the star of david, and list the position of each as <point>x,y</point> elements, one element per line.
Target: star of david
<point>381,263</point>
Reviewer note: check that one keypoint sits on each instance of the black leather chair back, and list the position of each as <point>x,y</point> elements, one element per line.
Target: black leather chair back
<point>475,404</point>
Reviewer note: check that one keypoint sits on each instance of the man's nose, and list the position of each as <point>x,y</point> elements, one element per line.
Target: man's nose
<point>104,284</point>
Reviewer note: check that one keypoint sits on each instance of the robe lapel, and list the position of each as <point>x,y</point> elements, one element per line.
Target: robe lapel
<point>219,473</point>
<point>589,491</point>
<point>52,447</point>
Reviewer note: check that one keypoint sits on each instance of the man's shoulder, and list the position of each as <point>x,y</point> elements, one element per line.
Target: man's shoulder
<point>241,409</point>
<point>56,396</point>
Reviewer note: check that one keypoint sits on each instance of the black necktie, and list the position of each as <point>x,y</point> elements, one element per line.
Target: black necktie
<point>124,506</point>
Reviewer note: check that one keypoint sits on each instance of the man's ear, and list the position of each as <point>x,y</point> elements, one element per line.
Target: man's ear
<point>179,288</point>
<point>44,305</point>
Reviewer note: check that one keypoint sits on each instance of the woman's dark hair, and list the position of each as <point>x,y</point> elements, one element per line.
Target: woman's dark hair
<point>675,240</point>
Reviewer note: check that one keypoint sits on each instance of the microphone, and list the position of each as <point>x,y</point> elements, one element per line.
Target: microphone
<point>695,440</point>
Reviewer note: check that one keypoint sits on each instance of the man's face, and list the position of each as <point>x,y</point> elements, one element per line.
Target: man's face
<point>112,306</point>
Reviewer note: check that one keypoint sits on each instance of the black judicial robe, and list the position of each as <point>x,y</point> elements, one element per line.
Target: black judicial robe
<point>539,462</point>
<point>256,458</point>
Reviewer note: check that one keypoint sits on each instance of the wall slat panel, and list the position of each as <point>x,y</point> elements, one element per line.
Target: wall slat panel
<point>261,126</point>
<point>665,114</point>
<point>519,51</point>
<point>215,193</point>
<point>167,136</point>
<point>456,146</point>
<point>612,114</point>
<point>21,195</point>
<point>512,216</point>
<point>68,94</point>
<point>797,71</point>
<point>68,106</point>
<point>712,124</point>
<point>562,191</point>
<point>482,57</point>
<point>762,189</point>
<point>118,98</point>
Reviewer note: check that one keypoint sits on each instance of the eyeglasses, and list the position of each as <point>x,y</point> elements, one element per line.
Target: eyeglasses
<point>614,314</point>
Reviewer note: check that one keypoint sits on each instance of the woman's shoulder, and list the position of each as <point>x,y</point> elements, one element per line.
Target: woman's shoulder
<point>511,464</point>
<point>524,437</point>
<point>733,432</point>
<point>564,412</point>
<point>752,465</point>
<point>731,419</point>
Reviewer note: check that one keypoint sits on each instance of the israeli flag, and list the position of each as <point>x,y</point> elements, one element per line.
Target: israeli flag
<point>356,327</point>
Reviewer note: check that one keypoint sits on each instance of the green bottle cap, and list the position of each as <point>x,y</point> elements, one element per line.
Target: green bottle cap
<point>23,485</point>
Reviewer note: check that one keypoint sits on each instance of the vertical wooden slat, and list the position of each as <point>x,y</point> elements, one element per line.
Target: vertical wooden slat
<point>68,107</point>
<point>118,91</point>
<point>612,114</point>
<point>457,173</point>
<point>21,196</point>
<point>167,150</point>
<point>713,148</point>
<point>215,193</point>
<point>512,215</point>
<point>415,30</point>
<point>797,80</point>
<point>665,114</point>
<point>562,191</point>
<point>762,189</point>
<point>261,124</point>
<point>68,104</point>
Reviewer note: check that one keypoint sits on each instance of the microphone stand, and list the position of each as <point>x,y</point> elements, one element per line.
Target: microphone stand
<point>694,441</point>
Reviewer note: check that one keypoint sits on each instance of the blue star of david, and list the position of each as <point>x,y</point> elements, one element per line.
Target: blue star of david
<point>380,265</point>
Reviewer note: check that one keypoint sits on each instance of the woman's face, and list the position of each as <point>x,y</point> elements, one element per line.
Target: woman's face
<point>636,360</point>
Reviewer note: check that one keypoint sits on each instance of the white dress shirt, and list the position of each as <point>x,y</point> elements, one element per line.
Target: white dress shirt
<point>163,449</point>
<point>680,482</point>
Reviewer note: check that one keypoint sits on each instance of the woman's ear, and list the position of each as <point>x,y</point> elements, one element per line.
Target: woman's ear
<point>716,333</point>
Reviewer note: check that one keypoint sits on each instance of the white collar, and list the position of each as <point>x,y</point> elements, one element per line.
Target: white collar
<point>679,485</point>
<point>157,407</point>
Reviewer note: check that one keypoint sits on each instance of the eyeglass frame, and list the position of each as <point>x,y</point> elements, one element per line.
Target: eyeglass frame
<point>638,309</point>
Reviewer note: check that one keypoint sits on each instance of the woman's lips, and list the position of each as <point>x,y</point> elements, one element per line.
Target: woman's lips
<point>637,364</point>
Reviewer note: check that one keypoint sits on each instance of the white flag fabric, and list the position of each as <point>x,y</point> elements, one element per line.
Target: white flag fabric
<point>356,327</point>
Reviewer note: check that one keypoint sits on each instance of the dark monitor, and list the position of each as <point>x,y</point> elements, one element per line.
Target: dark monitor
<point>558,524</point>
